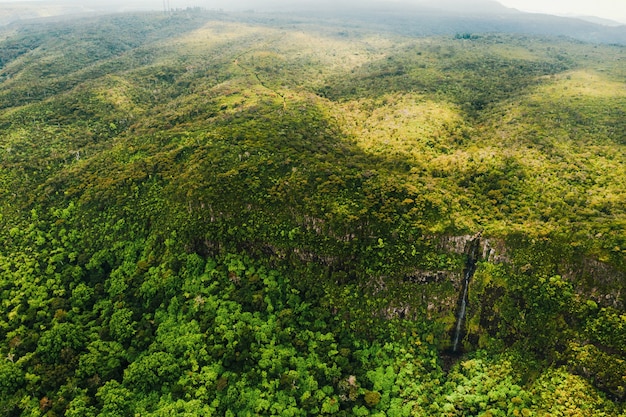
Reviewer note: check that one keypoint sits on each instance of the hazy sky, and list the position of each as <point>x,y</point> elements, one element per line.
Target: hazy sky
<point>608,9</point>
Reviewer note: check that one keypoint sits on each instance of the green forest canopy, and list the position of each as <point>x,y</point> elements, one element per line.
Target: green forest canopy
<point>216,214</point>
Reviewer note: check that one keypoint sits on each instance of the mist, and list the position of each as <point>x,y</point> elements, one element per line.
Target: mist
<point>406,17</point>
<point>476,6</point>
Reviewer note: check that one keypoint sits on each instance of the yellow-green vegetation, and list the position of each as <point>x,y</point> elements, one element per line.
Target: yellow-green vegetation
<point>239,215</point>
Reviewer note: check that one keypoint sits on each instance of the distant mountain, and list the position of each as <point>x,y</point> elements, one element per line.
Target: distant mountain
<point>598,20</point>
<point>450,16</point>
<point>19,11</point>
<point>422,17</point>
<point>455,6</point>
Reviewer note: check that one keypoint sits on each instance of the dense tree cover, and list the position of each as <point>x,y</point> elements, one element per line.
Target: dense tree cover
<point>229,215</point>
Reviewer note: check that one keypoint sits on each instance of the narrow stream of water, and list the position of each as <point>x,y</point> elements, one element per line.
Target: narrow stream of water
<point>460,318</point>
<point>473,256</point>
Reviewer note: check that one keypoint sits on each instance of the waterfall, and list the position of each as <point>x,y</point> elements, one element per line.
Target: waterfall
<point>473,255</point>
<point>461,313</point>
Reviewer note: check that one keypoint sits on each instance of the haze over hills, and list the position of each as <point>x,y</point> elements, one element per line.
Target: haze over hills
<point>422,17</point>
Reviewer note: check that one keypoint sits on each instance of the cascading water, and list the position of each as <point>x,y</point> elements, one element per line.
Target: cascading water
<point>461,314</point>
<point>473,255</point>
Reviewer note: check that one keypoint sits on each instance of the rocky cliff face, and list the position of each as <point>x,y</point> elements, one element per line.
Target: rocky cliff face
<point>439,294</point>
<point>592,278</point>
<point>491,250</point>
<point>597,280</point>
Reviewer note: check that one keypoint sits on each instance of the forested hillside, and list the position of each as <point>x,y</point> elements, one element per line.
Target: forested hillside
<point>250,214</point>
